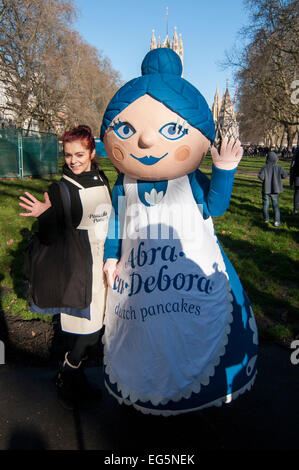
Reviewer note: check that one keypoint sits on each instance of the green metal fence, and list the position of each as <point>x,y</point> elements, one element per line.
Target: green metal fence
<point>27,153</point>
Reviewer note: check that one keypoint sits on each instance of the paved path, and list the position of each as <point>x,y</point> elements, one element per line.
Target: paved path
<point>267,418</point>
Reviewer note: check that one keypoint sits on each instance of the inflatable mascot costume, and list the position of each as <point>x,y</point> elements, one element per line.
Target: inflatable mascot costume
<point>180,333</point>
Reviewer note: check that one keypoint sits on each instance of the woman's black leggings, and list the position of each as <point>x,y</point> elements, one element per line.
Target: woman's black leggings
<point>81,345</point>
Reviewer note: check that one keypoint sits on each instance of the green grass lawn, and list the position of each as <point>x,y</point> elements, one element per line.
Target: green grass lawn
<point>266,258</point>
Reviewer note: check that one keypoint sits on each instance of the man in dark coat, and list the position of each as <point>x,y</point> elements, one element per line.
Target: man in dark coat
<point>271,175</point>
<point>294,178</point>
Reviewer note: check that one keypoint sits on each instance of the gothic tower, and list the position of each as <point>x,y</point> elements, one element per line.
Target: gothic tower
<point>224,116</point>
<point>153,41</point>
<point>216,105</point>
<point>176,44</point>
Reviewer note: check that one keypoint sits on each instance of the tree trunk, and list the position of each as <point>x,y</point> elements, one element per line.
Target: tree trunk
<point>291,132</point>
<point>282,139</point>
<point>28,126</point>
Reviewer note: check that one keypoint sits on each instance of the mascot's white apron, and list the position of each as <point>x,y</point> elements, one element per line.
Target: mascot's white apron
<point>168,315</point>
<point>96,207</point>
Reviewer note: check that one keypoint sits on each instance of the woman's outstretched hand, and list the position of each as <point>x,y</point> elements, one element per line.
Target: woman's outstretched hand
<point>110,270</point>
<point>231,153</point>
<point>33,206</point>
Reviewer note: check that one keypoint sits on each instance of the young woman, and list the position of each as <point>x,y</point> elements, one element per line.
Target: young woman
<point>70,280</point>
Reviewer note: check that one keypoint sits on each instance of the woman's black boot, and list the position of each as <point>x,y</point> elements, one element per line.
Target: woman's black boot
<point>67,379</point>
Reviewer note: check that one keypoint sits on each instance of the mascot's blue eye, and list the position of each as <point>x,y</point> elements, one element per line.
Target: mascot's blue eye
<point>124,130</point>
<point>172,131</point>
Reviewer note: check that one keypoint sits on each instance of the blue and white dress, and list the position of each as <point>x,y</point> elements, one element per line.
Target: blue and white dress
<point>180,334</point>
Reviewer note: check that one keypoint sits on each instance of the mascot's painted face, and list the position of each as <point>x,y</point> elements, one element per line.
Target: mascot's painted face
<point>148,141</point>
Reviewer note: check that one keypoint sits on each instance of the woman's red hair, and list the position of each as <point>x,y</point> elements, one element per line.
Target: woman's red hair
<point>82,133</point>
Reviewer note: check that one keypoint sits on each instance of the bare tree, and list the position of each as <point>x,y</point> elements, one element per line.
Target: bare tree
<point>268,67</point>
<point>89,84</point>
<point>27,29</point>
<point>49,72</point>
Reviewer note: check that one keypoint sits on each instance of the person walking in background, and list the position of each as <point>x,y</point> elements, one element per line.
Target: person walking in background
<point>294,178</point>
<point>271,175</point>
<point>69,279</point>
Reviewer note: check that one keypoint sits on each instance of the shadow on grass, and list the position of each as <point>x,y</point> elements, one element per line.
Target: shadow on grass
<point>244,207</point>
<point>274,269</point>
<point>29,338</point>
<point>3,325</point>
<point>21,185</point>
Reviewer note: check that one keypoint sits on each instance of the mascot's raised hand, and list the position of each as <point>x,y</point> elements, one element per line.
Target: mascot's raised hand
<point>231,153</point>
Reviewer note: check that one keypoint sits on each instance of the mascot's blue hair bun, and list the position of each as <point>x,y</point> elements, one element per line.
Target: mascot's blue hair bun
<point>162,61</point>
<point>161,79</point>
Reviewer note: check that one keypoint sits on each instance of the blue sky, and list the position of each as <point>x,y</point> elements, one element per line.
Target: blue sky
<point>122,31</point>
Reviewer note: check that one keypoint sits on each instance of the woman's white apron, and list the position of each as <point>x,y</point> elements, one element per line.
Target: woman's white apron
<point>167,317</point>
<point>96,208</point>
